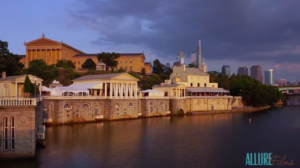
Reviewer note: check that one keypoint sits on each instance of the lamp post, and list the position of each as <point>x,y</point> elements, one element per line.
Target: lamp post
<point>34,86</point>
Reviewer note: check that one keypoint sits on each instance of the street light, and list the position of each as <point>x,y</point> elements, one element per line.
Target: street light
<point>34,86</point>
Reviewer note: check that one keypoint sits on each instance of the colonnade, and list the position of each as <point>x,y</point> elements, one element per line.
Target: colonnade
<point>179,92</point>
<point>121,90</point>
<point>50,56</point>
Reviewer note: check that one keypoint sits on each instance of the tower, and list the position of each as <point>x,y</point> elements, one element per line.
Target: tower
<point>199,56</point>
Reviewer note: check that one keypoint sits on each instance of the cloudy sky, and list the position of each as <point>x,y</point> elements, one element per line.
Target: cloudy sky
<point>233,32</point>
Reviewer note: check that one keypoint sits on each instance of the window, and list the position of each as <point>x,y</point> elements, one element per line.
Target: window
<point>117,106</point>
<point>130,62</point>
<point>198,84</point>
<point>130,68</point>
<point>125,62</point>
<point>74,62</point>
<point>120,62</point>
<point>151,104</point>
<point>12,127</point>
<point>213,85</point>
<point>67,106</point>
<point>191,84</point>
<point>204,84</point>
<point>79,62</point>
<point>5,132</point>
<point>86,106</point>
<point>131,105</point>
<point>162,103</point>
<point>126,68</point>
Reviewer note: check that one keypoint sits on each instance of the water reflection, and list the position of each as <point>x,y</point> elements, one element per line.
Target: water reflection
<point>188,141</point>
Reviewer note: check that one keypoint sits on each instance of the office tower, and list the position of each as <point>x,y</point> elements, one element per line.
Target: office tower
<point>243,71</point>
<point>181,57</point>
<point>256,73</point>
<point>194,58</point>
<point>226,70</point>
<point>269,77</point>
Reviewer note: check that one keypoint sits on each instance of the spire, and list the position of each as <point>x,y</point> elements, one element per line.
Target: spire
<point>43,35</point>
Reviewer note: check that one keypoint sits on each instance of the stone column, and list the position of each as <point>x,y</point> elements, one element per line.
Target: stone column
<point>51,56</point>
<point>116,90</point>
<point>130,90</point>
<point>126,90</point>
<point>16,88</point>
<point>105,90</point>
<point>135,90</point>
<point>110,90</point>
<point>122,90</point>
<point>27,59</point>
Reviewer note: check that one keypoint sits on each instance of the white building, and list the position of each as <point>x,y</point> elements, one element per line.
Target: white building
<point>269,77</point>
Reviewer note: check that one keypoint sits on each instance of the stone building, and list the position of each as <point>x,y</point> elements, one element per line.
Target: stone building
<point>51,51</point>
<point>13,86</point>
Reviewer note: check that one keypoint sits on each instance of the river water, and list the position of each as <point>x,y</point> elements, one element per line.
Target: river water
<point>209,141</point>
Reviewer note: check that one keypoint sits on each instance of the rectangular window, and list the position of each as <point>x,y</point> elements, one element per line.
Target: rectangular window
<point>125,62</point>
<point>198,84</point>
<point>130,68</point>
<point>12,127</point>
<point>5,132</point>
<point>191,84</point>
<point>130,62</point>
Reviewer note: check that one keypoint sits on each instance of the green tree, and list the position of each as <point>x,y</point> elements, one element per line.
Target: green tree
<point>110,59</point>
<point>89,64</point>
<point>65,63</point>
<point>27,87</point>
<point>143,71</point>
<point>192,65</point>
<point>157,68</point>
<point>9,62</point>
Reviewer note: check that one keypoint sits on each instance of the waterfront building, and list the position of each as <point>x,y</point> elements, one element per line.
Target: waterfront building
<point>256,73</point>
<point>269,77</point>
<point>13,86</point>
<point>226,70</point>
<point>21,118</point>
<point>51,51</point>
<point>243,71</point>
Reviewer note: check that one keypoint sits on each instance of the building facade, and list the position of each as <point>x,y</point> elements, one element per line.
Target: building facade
<point>281,82</point>
<point>256,73</point>
<point>243,71</point>
<point>226,70</point>
<point>51,51</point>
<point>269,77</point>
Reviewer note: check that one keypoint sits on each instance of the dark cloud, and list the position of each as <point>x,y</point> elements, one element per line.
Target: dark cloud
<point>232,29</point>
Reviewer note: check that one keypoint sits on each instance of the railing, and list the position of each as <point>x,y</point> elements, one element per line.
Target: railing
<point>87,97</point>
<point>47,120</point>
<point>40,134</point>
<point>209,97</point>
<point>19,101</point>
<point>99,117</point>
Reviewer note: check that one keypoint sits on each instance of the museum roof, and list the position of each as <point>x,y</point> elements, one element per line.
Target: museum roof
<point>195,71</point>
<point>167,85</point>
<point>121,54</point>
<point>101,76</point>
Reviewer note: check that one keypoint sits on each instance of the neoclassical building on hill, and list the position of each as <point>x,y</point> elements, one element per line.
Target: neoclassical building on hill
<point>51,51</point>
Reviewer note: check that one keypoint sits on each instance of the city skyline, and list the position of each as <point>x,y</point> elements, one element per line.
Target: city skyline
<point>255,37</point>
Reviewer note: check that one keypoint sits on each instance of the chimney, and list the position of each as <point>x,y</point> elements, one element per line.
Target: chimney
<point>3,75</point>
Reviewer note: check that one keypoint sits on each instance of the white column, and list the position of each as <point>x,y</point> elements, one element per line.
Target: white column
<point>122,88</point>
<point>116,90</point>
<point>51,55</point>
<point>110,90</point>
<point>130,90</point>
<point>126,90</point>
<point>105,90</point>
<point>135,90</point>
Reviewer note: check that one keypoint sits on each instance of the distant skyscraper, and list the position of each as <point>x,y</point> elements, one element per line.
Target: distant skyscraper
<point>194,58</point>
<point>181,57</point>
<point>256,73</point>
<point>269,77</point>
<point>243,71</point>
<point>281,82</point>
<point>226,70</point>
<point>199,56</point>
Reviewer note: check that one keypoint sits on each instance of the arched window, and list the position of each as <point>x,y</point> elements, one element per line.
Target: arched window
<point>151,104</point>
<point>131,105</point>
<point>5,132</point>
<point>117,106</point>
<point>204,84</point>
<point>86,106</point>
<point>162,103</point>
<point>12,127</point>
<point>67,106</point>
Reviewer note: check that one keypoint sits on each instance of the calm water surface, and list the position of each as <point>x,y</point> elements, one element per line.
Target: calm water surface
<point>214,141</point>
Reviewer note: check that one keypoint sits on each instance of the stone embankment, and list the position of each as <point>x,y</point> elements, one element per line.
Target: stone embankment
<point>238,110</point>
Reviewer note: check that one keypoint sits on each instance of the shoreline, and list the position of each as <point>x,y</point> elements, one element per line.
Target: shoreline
<point>240,110</point>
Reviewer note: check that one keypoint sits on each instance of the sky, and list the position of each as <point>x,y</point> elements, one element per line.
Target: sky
<point>232,32</point>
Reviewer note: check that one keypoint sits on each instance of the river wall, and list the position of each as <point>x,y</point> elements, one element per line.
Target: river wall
<point>61,111</point>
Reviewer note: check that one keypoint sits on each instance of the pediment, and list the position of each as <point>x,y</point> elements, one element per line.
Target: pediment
<point>125,76</point>
<point>43,42</point>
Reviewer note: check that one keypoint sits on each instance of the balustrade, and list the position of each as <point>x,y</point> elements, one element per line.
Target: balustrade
<point>19,101</point>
